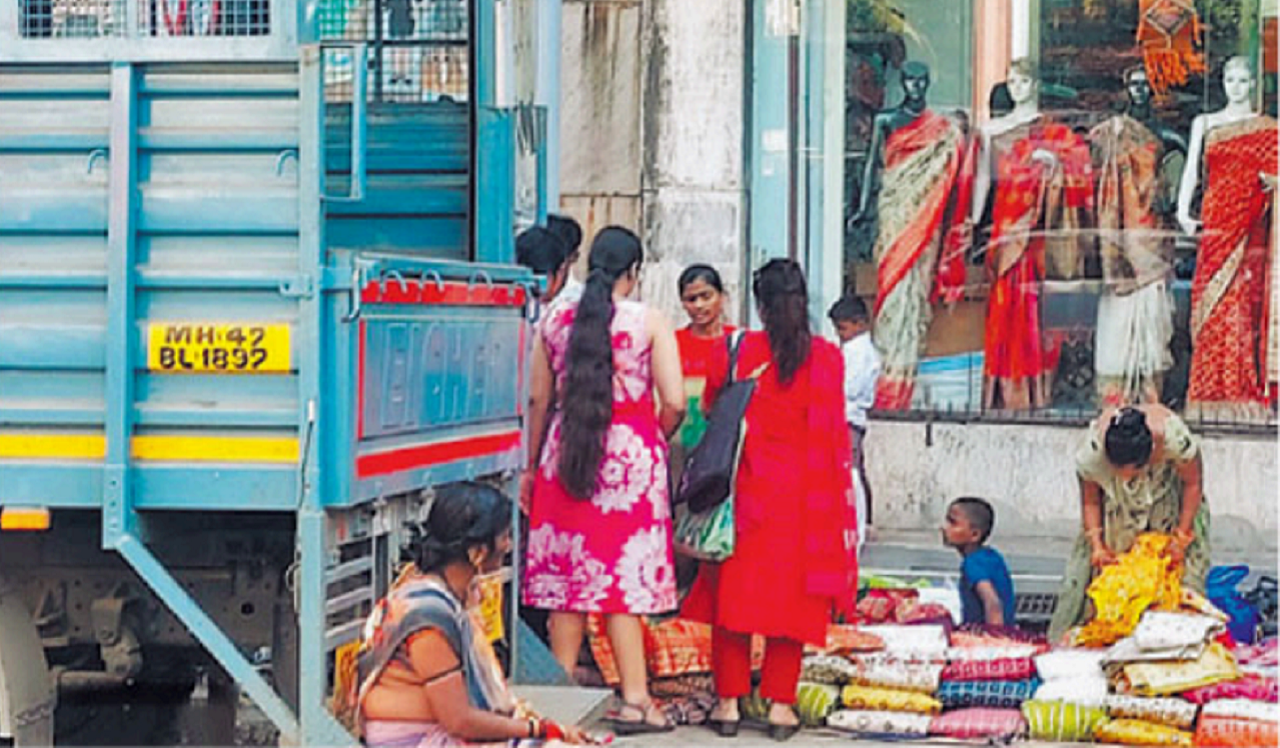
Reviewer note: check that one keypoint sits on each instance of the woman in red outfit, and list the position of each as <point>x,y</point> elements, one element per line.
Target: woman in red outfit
<point>794,561</point>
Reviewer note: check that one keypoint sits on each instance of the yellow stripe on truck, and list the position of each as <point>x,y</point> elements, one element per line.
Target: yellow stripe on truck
<point>53,446</point>
<point>216,448</point>
<point>262,449</point>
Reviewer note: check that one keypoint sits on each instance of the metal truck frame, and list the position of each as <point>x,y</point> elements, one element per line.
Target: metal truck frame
<point>243,332</point>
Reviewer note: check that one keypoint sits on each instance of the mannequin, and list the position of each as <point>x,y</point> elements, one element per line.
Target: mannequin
<point>1236,149</point>
<point>1038,176</point>
<point>915,158</point>
<point>1135,311</point>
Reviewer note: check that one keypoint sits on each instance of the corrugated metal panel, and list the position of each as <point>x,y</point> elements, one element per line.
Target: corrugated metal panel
<point>215,240</point>
<point>217,235</point>
<point>53,243</point>
<point>419,186</point>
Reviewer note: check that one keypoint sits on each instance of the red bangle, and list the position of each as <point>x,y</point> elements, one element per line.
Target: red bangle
<point>551,731</point>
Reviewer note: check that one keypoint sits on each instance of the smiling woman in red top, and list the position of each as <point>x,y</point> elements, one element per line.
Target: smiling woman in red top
<point>794,559</point>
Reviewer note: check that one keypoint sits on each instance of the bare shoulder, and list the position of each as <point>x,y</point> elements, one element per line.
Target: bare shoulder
<point>655,321</point>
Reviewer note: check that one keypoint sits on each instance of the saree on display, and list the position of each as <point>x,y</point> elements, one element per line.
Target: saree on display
<point>1229,293</point>
<point>1040,205</point>
<point>921,164</point>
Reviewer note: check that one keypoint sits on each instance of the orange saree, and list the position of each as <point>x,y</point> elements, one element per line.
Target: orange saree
<point>1229,293</point>
<point>1038,208</point>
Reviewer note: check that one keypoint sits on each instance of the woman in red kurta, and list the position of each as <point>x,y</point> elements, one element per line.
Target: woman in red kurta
<point>794,560</point>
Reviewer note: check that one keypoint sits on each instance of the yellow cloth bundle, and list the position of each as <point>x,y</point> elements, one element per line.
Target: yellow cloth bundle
<point>870,698</point>
<point>1166,678</point>
<point>1143,578</point>
<point>1137,732</point>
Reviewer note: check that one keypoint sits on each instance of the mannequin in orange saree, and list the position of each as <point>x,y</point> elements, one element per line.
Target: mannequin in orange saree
<point>1043,189</point>
<point>1230,293</point>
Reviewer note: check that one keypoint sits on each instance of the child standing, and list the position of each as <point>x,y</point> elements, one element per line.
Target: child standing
<point>986,589</point>
<point>861,370</point>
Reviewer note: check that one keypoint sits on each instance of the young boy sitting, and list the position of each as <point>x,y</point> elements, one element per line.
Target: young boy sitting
<point>986,590</point>
<point>861,370</point>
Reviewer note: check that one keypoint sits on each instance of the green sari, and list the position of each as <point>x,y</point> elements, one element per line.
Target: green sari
<point>1150,502</point>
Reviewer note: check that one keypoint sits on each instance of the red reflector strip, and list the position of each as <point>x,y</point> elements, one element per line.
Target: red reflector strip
<point>425,455</point>
<point>449,294</point>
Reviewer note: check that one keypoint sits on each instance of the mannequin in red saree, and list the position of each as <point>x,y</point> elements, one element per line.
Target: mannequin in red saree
<point>1230,293</point>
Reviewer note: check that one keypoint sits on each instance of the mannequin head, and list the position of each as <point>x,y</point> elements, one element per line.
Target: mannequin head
<point>1023,82</point>
<point>915,82</point>
<point>1237,80</point>
<point>1137,87</point>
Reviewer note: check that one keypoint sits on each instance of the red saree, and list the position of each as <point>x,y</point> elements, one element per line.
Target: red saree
<point>921,161</point>
<point>1228,295</point>
<point>1035,220</point>
<point>795,559</point>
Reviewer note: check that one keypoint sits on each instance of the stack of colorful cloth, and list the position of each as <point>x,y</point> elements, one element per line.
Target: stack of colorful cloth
<point>990,673</point>
<point>1159,670</point>
<point>1238,722</point>
<point>890,692</point>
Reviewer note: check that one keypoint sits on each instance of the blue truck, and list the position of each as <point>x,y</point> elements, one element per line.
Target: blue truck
<point>257,298</point>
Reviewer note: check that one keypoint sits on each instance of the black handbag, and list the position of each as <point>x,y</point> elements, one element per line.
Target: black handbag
<point>711,467</point>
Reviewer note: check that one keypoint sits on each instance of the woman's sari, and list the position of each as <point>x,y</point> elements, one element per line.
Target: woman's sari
<point>416,603</point>
<point>1038,211</point>
<point>1229,294</point>
<point>921,163</point>
<point>1149,502</point>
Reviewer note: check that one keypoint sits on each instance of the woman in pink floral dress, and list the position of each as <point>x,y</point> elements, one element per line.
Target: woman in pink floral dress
<point>596,488</point>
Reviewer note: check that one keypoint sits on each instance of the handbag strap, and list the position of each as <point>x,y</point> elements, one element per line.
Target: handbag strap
<point>734,341</point>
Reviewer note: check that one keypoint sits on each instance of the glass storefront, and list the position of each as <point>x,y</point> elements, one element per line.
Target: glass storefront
<point>1055,205</point>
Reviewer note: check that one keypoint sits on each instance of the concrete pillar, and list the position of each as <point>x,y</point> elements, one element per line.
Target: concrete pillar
<point>652,131</point>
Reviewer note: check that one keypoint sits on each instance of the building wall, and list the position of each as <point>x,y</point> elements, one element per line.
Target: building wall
<point>1028,474</point>
<point>651,131</point>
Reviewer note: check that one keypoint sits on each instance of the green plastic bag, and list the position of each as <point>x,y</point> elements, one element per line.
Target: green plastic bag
<point>709,535</point>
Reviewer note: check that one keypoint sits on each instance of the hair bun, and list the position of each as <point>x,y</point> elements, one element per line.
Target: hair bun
<point>1129,419</point>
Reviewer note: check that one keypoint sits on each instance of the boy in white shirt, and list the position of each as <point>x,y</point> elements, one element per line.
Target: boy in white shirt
<point>861,370</point>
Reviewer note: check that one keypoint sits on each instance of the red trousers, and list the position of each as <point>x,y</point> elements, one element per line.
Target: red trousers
<point>731,665</point>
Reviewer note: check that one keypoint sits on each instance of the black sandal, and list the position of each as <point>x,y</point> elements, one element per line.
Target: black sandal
<point>642,726</point>
<point>725,728</point>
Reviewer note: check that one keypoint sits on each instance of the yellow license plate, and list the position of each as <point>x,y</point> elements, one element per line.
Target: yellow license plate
<point>193,347</point>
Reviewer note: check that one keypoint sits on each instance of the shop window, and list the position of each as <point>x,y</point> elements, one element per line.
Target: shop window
<point>1094,229</point>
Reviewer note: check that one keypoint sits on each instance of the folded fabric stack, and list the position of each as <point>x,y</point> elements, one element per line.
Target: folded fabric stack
<point>672,648</point>
<point>1169,653</point>
<point>1141,732</point>
<point>989,674</point>
<point>868,723</point>
<point>1238,722</point>
<point>1261,659</point>
<point>1062,721</point>
<point>1072,675</point>
<point>890,692</point>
